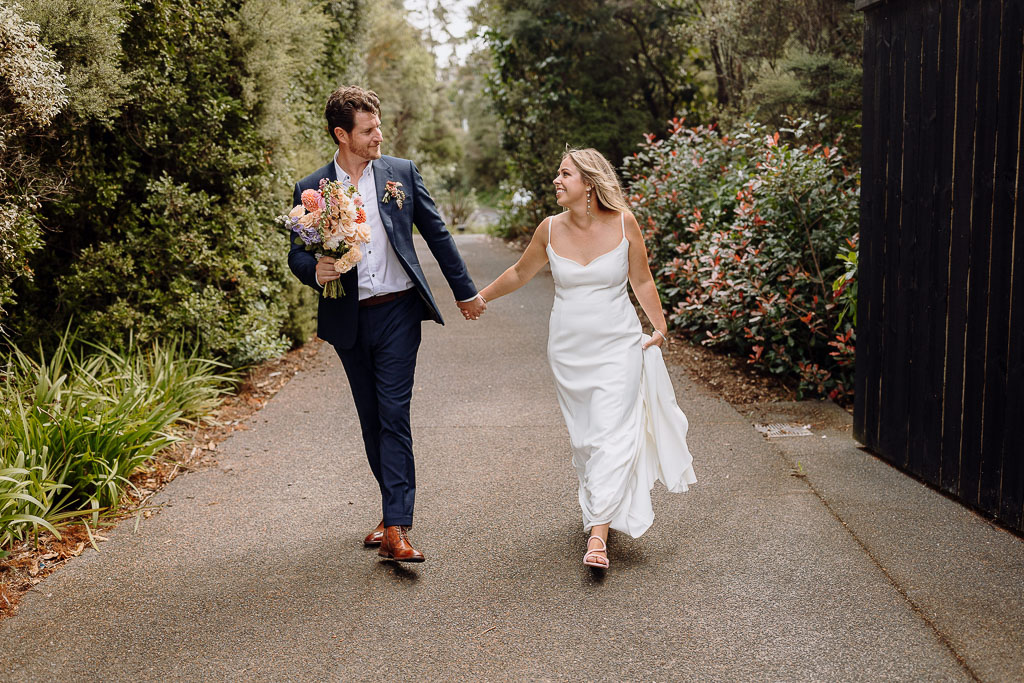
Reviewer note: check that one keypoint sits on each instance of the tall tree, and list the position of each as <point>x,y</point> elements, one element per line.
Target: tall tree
<point>398,65</point>
<point>594,73</point>
<point>779,58</point>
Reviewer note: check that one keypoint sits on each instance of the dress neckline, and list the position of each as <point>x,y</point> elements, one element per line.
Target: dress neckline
<point>622,221</point>
<point>591,261</point>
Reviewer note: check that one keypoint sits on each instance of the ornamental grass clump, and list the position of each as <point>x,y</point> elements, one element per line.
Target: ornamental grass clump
<point>75,425</point>
<point>750,234</point>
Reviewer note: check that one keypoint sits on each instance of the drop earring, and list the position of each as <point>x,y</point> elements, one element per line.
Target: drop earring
<point>588,203</point>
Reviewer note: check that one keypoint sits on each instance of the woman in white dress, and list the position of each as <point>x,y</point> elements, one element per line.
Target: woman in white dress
<point>625,428</point>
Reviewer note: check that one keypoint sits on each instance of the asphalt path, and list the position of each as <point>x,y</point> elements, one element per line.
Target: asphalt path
<point>254,570</point>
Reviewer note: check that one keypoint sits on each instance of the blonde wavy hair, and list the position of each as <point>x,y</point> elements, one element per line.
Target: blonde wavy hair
<point>598,172</point>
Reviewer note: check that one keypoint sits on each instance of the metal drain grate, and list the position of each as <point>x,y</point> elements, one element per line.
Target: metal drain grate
<point>776,430</point>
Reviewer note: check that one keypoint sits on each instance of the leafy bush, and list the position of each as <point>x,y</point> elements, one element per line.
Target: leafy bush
<point>744,230</point>
<point>74,426</point>
<point>32,93</point>
<point>515,211</point>
<point>181,141</point>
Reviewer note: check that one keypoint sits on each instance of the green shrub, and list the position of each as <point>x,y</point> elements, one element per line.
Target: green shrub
<point>186,128</point>
<point>744,230</point>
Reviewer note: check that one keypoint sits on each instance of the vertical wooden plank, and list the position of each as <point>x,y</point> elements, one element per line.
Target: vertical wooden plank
<point>869,317</point>
<point>1009,209</point>
<point>960,243</point>
<point>904,390</point>
<point>865,276</point>
<point>978,281</point>
<point>1004,133</point>
<point>929,276</point>
<point>893,414</point>
<point>942,193</point>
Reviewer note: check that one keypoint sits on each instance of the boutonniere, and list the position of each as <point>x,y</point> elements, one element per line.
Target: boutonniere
<point>393,190</point>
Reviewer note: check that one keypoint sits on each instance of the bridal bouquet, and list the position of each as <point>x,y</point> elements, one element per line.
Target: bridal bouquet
<point>331,222</point>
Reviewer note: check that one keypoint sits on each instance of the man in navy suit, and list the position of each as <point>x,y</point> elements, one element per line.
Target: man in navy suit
<point>375,327</point>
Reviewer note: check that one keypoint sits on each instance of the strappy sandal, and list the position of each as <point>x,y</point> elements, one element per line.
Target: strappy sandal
<point>598,561</point>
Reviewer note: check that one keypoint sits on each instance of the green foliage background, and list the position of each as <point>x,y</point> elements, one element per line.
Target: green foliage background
<point>602,73</point>
<point>185,127</point>
<point>587,74</point>
<point>142,203</point>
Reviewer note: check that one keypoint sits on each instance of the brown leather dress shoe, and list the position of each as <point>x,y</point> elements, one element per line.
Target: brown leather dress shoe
<point>375,537</point>
<point>396,546</point>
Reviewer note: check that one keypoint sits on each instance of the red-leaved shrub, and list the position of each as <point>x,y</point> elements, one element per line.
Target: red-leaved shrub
<point>748,231</point>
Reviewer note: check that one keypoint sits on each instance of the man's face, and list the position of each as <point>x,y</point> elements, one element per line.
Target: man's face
<point>365,139</point>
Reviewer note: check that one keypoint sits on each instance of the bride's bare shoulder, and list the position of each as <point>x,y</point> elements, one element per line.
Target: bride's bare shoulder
<point>543,229</point>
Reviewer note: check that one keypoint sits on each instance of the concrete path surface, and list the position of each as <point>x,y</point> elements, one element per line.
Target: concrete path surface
<point>799,560</point>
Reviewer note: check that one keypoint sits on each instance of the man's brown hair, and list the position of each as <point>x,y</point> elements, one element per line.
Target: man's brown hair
<point>343,104</point>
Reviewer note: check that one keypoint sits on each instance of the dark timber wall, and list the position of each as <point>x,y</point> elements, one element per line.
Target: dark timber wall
<point>940,338</point>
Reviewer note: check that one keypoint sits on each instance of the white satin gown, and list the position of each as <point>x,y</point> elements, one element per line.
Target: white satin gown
<point>625,428</point>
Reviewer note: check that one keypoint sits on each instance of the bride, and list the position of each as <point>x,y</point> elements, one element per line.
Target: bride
<point>625,428</point>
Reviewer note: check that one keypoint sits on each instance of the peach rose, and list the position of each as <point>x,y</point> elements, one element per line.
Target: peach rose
<point>348,260</point>
<point>310,219</point>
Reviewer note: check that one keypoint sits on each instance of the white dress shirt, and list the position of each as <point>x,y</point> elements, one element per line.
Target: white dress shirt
<point>380,271</point>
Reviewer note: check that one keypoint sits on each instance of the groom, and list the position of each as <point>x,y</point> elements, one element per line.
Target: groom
<point>375,327</point>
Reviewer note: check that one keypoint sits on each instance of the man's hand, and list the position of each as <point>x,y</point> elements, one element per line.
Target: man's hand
<point>325,271</point>
<point>473,309</point>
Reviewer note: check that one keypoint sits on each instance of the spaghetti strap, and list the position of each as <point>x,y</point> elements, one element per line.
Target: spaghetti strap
<point>549,229</point>
<point>622,216</point>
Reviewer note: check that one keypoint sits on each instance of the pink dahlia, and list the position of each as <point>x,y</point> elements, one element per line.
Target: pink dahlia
<point>313,200</point>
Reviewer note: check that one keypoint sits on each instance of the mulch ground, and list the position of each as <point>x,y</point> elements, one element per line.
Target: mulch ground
<point>30,562</point>
<point>729,377</point>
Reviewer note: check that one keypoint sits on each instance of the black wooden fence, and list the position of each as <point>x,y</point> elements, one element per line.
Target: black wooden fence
<point>940,338</point>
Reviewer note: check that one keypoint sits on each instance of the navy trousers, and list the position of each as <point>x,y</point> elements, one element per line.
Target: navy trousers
<point>380,368</point>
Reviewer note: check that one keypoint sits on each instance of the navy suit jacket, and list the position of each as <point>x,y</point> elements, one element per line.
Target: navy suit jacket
<point>337,319</point>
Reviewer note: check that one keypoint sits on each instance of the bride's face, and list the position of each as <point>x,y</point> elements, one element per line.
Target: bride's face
<point>569,184</point>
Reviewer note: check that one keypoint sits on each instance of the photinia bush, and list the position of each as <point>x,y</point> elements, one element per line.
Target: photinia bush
<point>748,232</point>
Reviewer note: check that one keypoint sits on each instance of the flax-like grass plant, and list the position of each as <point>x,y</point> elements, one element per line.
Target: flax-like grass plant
<point>77,422</point>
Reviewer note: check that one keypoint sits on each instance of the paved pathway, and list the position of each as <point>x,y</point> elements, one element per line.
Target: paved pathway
<point>255,571</point>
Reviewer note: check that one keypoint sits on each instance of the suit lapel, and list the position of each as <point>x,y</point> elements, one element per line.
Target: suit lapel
<point>382,174</point>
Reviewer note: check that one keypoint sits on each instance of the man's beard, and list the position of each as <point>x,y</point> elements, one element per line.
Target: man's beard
<point>368,152</point>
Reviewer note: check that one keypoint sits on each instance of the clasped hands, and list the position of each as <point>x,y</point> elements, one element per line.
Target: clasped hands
<point>325,272</point>
<point>474,308</point>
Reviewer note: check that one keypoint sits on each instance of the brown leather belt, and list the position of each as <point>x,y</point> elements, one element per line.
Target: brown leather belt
<point>383,298</point>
